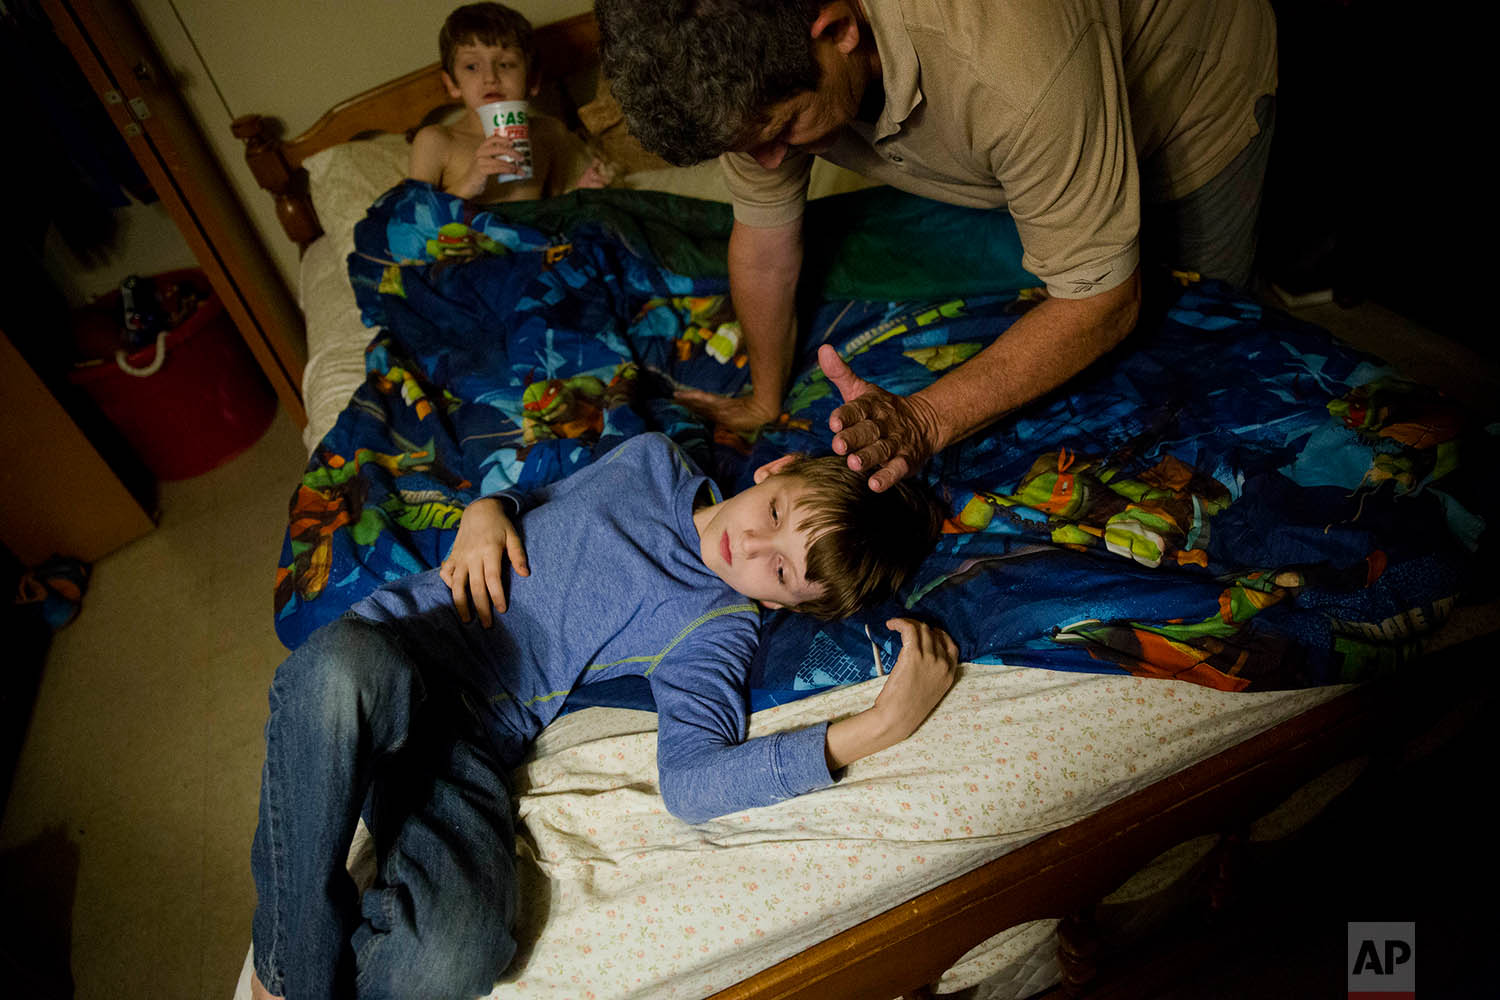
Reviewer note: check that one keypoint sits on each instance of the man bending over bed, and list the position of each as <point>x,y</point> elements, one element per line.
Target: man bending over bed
<point>1113,131</point>
<point>415,706</point>
<point>488,56</point>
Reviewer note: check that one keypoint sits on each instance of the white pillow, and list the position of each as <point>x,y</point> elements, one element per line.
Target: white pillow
<point>343,181</point>
<point>336,337</point>
<point>346,178</point>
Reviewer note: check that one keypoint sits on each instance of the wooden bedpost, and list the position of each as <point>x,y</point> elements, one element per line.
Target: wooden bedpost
<point>1229,860</point>
<point>1078,943</point>
<point>263,152</point>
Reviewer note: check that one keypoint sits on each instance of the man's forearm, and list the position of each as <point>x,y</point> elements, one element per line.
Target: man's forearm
<point>1043,349</point>
<point>763,269</point>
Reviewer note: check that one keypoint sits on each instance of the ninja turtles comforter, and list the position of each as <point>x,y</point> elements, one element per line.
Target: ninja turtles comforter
<point>1231,498</point>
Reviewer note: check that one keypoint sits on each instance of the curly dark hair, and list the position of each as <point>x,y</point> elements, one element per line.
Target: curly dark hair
<point>693,77</point>
<point>865,544</point>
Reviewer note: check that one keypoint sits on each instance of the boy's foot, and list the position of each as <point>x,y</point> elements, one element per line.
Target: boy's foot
<point>258,991</point>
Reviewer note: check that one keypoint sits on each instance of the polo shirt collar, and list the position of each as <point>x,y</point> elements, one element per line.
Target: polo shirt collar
<point>900,73</point>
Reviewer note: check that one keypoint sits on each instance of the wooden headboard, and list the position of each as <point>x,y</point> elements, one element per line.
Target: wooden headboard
<point>565,49</point>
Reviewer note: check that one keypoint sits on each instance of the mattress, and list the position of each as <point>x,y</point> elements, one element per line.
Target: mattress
<point>624,900</point>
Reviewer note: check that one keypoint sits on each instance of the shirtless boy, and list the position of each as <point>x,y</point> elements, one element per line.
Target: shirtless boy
<point>488,56</point>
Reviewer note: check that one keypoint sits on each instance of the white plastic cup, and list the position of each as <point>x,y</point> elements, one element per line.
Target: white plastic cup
<point>511,119</point>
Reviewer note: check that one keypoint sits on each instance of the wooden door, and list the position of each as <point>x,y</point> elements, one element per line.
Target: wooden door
<point>122,65</point>
<point>58,496</point>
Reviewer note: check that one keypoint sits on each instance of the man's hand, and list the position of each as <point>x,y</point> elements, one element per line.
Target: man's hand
<point>892,435</point>
<point>598,175</point>
<point>923,673</point>
<point>486,537</point>
<point>738,413</point>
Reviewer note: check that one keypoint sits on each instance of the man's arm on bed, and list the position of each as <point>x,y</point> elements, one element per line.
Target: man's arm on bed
<point>893,436</point>
<point>763,269</point>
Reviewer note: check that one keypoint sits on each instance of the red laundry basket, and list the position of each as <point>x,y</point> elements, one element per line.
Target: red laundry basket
<point>187,403</point>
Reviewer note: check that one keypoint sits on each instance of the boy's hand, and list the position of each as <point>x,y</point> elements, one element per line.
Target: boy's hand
<point>486,537</point>
<point>496,155</point>
<point>598,175</point>
<point>923,673</point>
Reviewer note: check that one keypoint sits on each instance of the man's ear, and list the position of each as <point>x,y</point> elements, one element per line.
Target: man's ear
<point>772,467</point>
<point>838,23</point>
<point>535,86</point>
<point>453,90</point>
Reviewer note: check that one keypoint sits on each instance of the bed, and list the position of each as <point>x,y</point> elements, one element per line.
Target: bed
<point>1107,738</point>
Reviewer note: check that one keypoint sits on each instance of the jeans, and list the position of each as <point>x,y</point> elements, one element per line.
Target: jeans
<point>356,720</point>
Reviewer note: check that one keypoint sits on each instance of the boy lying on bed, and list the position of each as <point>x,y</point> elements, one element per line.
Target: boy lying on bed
<point>630,566</point>
<point>487,56</point>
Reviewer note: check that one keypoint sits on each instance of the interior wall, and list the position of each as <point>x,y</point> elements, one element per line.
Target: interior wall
<point>294,59</point>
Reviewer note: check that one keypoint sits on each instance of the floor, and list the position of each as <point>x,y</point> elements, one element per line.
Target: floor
<point>126,835</point>
<point>124,844</point>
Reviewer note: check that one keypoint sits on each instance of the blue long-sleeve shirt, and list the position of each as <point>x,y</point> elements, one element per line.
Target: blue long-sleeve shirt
<point>617,587</point>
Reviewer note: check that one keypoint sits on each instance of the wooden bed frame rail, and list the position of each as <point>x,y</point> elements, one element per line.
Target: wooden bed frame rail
<point>401,106</point>
<point>904,951</point>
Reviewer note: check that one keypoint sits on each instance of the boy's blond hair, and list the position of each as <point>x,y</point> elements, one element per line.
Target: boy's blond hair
<point>865,544</point>
<point>487,24</point>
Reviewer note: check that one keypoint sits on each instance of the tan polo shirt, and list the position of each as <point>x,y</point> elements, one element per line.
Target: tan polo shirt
<point>1067,112</point>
